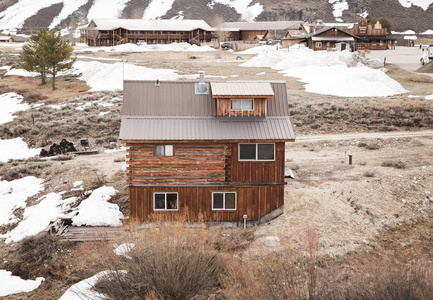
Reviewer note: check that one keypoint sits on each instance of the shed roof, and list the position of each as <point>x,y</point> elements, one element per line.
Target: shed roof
<point>332,38</point>
<point>205,128</point>
<point>275,25</point>
<point>327,28</point>
<point>151,25</point>
<point>242,89</point>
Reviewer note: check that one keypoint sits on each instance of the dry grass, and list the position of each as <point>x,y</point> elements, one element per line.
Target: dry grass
<point>170,260</point>
<point>394,164</point>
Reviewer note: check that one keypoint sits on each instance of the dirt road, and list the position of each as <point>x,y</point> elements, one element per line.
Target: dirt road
<point>364,135</point>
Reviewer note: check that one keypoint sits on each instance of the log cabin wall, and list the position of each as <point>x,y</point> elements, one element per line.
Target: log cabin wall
<point>191,164</point>
<point>271,172</point>
<point>224,108</point>
<point>196,202</point>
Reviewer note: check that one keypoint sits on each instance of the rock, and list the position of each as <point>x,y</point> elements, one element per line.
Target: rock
<point>64,147</point>
<point>272,241</point>
<point>430,199</point>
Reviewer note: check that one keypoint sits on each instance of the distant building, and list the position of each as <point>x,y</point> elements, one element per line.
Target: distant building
<point>105,32</point>
<point>6,39</point>
<point>252,31</point>
<point>371,38</point>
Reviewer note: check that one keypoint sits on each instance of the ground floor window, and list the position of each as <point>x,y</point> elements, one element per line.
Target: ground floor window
<point>318,44</point>
<point>257,152</point>
<point>224,201</point>
<point>164,150</point>
<point>165,201</point>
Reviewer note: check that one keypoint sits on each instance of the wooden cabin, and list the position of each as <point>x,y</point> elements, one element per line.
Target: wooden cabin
<point>212,150</point>
<point>371,38</point>
<point>249,31</point>
<point>328,37</point>
<point>106,32</point>
<point>6,39</point>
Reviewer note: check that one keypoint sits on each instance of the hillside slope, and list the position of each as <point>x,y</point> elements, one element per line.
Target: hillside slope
<point>26,16</point>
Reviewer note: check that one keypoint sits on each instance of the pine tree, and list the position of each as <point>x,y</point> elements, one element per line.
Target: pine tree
<point>57,54</point>
<point>30,58</point>
<point>47,53</point>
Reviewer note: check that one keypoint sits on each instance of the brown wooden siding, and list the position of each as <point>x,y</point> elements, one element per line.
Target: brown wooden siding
<point>250,35</point>
<point>257,171</point>
<point>224,108</point>
<point>196,202</point>
<point>192,164</point>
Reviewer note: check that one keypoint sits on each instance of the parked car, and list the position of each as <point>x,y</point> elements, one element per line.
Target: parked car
<point>226,46</point>
<point>427,55</point>
<point>141,42</point>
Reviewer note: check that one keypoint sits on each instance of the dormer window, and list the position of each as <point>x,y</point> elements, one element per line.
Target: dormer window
<point>242,104</point>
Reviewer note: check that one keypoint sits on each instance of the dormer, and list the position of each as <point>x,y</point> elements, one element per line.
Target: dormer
<point>242,98</point>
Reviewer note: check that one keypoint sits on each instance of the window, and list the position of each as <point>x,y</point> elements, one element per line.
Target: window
<point>242,104</point>
<point>318,44</point>
<point>224,201</point>
<point>328,44</point>
<point>164,201</point>
<point>164,150</point>
<point>265,152</point>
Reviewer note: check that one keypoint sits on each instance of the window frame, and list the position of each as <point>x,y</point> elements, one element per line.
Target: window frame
<point>165,145</point>
<point>224,201</point>
<point>257,152</point>
<point>165,199</point>
<point>241,99</point>
<point>317,45</point>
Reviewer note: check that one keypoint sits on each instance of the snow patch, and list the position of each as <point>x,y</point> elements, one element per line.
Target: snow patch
<point>338,7</point>
<point>11,103</point>
<point>157,9</point>
<point>124,249</point>
<point>145,48</point>
<point>68,8</point>
<point>97,211</point>
<point>37,217</point>
<point>16,149</point>
<point>84,288</point>
<point>341,74</point>
<point>424,4</point>
<point>404,32</point>
<point>429,97</point>
<point>14,285</point>
<point>248,13</point>
<point>21,72</point>
<point>106,9</point>
<point>13,195</point>
<point>427,32</point>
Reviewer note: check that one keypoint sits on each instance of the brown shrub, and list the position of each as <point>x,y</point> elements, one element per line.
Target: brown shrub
<point>394,164</point>
<point>170,260</point>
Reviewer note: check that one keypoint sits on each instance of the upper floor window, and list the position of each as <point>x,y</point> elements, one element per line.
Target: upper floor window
<point>257,152</point>
<point>164,150</point>
<point>224,201</point>
<point>165,201</point>
<point>242,104</point>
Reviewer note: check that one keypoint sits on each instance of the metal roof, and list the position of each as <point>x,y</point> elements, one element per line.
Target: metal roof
<point>327,28</point>
<point>276,25</point>
<point>332,38</point>
<point>178,98</point>
<point>149,25</point>
<point>205,128</point>
<point>241,89</point>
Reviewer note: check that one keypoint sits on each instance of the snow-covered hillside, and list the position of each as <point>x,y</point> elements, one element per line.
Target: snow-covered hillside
<point>28,15</point>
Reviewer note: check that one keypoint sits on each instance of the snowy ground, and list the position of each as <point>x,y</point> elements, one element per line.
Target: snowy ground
<point>343,74</point>
<point>14,285</point>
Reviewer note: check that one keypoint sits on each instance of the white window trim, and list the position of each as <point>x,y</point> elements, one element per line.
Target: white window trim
<point>165,145</point>
<point>317,45</point>
<point>257,152</point>
<point>224,201</point>
<point>242,109</point>
<point>165,198</point>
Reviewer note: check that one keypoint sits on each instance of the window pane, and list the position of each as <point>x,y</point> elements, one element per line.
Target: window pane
<point>218,201</point>
<point>247,104</point>
<point>171,201</point>
<point>236,104</point>
<point>247,151</point>
<point>168,150</point>
<point>159,201</point>
<point>230,200</point>
<point>159,150</point>
<point>266,152</point>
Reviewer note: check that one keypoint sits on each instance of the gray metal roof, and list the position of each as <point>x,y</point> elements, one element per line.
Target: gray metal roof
<point>150,25</point>
<point>178,98</point>
<point>276,25</point>
<point>241,89</point>
<point>205,128</point>
<point>332,38</point>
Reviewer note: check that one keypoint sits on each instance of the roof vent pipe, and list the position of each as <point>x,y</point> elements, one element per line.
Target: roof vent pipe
<point>201,88</point>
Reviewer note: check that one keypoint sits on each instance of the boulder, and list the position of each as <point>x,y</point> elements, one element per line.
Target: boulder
<point>56,149</point>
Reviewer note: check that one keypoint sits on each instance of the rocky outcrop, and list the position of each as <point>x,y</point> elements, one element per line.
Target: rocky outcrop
<point>56,149</point>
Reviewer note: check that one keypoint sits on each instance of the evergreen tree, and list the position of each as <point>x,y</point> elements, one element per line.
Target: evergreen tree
<point>30,58</point>
<point>57,54</point>
<point>47,53</point>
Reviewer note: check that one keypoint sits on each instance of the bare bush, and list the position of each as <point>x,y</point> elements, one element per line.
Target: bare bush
<point>394,164</point>
<point>170,260</point>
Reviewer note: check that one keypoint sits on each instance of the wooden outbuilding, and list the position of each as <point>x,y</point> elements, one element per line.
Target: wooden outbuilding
<point>111,32</point>
<point>6,39</point>
<point>212,150</point>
